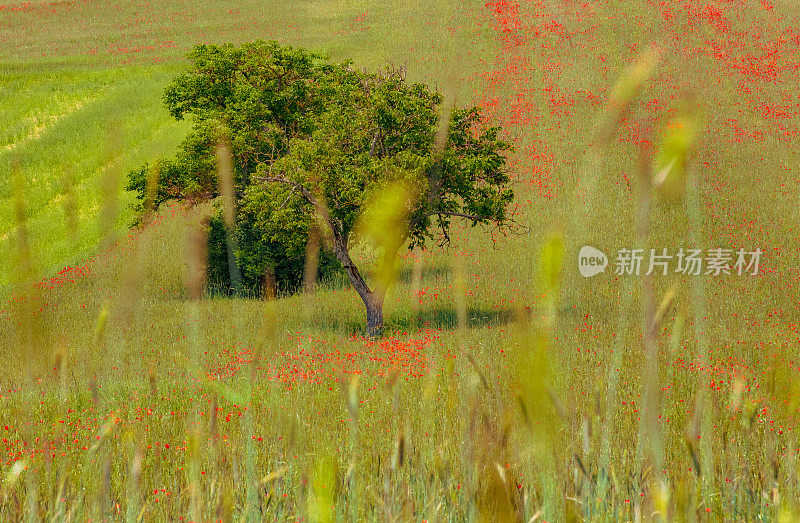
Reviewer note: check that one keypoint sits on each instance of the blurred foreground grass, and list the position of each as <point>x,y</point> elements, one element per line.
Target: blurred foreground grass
<point>501,391</point>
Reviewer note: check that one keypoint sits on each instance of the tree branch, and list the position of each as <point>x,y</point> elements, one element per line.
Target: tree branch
<point>461,214</point>
<point>297,186</point>
<point>446,238</point>
<point>374,141</point>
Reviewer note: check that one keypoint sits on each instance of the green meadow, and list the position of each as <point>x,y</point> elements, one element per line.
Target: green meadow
<point>507,386</point>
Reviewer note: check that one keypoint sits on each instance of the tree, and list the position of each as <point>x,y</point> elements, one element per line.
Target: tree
<point>325,147</point>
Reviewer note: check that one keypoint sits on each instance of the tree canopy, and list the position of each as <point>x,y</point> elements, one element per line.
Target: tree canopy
<point>314,145</point>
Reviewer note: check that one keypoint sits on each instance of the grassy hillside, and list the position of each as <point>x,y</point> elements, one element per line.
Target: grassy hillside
<point>497,392</point>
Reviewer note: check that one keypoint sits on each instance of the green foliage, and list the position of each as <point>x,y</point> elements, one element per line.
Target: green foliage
<point>190,175</point>
<point>312,142</point>
<point>265,247</point>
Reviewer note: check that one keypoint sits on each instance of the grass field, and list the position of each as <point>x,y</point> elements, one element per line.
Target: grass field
<point>498,393</point>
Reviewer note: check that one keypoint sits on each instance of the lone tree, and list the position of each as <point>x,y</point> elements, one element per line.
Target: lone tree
<point>323,147</point>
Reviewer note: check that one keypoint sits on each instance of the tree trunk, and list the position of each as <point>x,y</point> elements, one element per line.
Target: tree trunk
<point>373,300</point>
<point>374,304</point>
